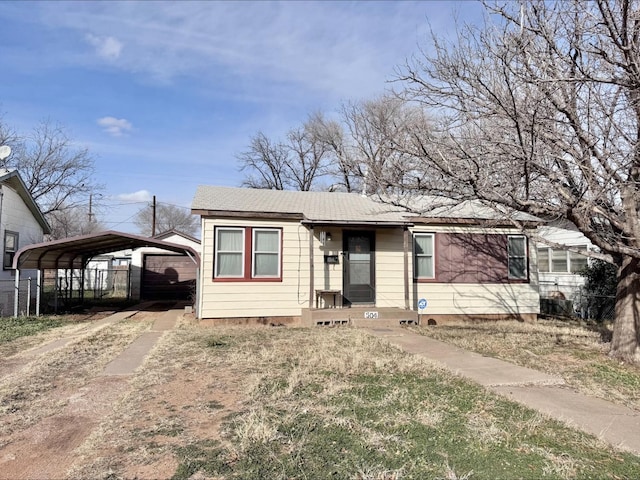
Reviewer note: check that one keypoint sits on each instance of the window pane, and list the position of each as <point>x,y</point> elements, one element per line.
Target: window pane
<point>424,267</point>
<point>423,263</point>
<point>266,264</point>
<point>229,264</point>
<point>578,262</point>
<point>267,241</point>
<point>517,251</point>
<point>424,244</point>
<point>559,261</point>
<point>10,242</point>
<point>543,259</point>
<point>516,247</point>
<point>230,240</point>
<point>517,268</point>
<point>359,272</point>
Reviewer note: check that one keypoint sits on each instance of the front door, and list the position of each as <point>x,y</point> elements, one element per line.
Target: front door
<point>359,271</point>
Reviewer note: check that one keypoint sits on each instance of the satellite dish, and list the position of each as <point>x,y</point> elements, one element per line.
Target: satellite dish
<point>5,151</point>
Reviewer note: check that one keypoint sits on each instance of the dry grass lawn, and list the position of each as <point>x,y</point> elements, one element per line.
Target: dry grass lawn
<point>576,351</point>
<point>268,402</point>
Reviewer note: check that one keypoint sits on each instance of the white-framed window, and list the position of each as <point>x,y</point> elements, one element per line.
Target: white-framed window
<point>10,248</point>
<point>555,260</point>
<point>517,254</point>
<point>248,254</point>
<point>423,254</point>
<point>266,248</point>
<point>229,254</point>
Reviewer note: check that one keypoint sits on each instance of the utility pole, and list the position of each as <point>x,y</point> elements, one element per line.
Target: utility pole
<point>153,218</point>
<point>90,203</point>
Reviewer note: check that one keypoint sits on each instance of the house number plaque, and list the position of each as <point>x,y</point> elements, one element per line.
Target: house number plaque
<point>370,314</point>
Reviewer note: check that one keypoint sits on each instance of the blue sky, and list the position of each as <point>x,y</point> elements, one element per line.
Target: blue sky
<point>166,94</point>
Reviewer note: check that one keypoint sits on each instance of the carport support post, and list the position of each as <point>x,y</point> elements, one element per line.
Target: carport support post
<point>82,286</point>
<point>55,292</point>
<point>16,296</point>
<point>38,290</point>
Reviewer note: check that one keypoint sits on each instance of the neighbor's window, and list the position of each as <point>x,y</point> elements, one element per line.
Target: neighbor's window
<point>577,262</point>
<point>10,248</point>
<point>248,253</point>
<point>561,261</point>
<point>517,252</point>
<point>423,255</point>
<point>543,259</point>
<point>266,252</point>
<point>229,252</point>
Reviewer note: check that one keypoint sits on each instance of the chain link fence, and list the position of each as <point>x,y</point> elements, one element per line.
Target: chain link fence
<point>26,297</point>
<point>64,288</point>
<point>572,300</point>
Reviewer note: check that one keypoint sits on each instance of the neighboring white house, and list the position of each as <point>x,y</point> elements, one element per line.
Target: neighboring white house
<point>558,268</point>
<point>21,223</point>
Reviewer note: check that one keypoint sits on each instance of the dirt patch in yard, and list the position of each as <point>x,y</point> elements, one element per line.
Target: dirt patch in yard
<point>45,450</point>
<point>60,418</point>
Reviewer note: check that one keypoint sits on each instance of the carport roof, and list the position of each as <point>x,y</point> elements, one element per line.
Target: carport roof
<point>75,252</point>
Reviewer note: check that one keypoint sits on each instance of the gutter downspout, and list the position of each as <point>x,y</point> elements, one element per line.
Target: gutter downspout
<point>406,268</point>
<point>311,268</point>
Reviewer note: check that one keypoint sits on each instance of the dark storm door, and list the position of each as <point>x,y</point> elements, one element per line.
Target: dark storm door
<point>359,267</point>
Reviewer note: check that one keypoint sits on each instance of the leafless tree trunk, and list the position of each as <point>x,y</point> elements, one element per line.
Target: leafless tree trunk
<point>539,112</point>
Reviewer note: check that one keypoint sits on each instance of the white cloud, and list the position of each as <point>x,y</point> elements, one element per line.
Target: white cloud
<point>108,48</point>
<point>139,196</point>
<point>289,51</point>
<point>116,127</point>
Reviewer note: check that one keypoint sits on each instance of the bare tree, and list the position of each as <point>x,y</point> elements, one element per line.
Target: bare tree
<point>73,221</point>
<point>168,217</point>
<point>294,164</point>
<point>57,174</point>
<point>379,130</point>
<point>539,112</point>
<point>330,133</point>
<point>265,161</point>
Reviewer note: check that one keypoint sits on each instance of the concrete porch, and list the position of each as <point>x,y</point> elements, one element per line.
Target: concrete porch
<point>360,316</point>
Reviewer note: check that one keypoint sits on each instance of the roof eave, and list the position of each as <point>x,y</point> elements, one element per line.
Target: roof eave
<point>247,214</point>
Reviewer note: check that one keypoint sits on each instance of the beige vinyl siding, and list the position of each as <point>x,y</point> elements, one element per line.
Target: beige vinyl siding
<point>470,299</point>
<point>390,268</point>
<point>257,299</point>
<point>327,276</point>
<point>291,295</point>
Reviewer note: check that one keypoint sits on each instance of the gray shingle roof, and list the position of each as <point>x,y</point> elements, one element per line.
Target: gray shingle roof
<point>314,206</point>
<point>335,207</point>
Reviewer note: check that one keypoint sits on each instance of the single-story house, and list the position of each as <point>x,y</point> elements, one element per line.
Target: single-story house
<point>285,256</point>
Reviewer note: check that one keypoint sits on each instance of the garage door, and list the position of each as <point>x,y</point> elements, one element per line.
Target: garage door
<point>168,277</point>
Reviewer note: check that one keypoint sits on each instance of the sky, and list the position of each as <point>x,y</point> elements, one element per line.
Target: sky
<point>165,95</point>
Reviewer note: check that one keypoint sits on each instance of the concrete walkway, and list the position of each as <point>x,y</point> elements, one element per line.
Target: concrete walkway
<point>133,356</point>
<point>615,424</point>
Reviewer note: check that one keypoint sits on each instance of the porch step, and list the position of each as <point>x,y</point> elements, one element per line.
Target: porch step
<point>369,316</point>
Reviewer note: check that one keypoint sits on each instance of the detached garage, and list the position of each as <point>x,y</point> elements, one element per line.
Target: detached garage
<point>168,277</point>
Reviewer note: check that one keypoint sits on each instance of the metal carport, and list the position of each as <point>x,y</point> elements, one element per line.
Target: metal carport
<point>76,252</point>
